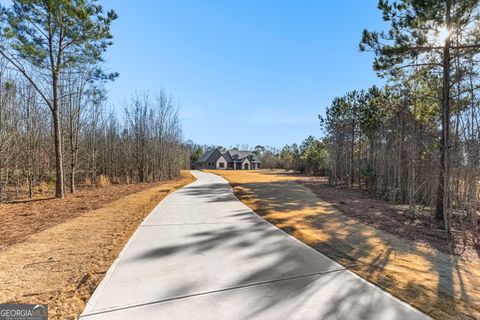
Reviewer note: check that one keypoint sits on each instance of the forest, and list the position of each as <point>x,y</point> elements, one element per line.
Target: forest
<point>56,130</point>
<point>417,139</point>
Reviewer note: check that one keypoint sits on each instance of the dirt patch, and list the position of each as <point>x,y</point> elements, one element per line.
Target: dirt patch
<point>442,285</point>
<point>61,264</point>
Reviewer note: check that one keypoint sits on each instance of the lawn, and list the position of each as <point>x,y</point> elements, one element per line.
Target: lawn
<point>412,266</point>
<point>57,251</point>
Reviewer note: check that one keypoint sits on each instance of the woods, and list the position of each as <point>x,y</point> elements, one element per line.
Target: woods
<point>310,157</point>
<point>44,41</point>
<point>54,122</point>
<point>416,140</point>
<point>100,147</point>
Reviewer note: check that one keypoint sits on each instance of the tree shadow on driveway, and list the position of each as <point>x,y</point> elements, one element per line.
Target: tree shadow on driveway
<point>439,284</point>
<point>277,276</point>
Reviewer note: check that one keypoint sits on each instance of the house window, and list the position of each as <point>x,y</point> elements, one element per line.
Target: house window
<point>221,165</point>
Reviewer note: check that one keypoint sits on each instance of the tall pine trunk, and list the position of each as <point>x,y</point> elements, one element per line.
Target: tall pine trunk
<point>352,149</point>
<point>59,185</point>
<point>441,211</point>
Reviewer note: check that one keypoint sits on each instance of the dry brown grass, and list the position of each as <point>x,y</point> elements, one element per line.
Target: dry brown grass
<point>441,285</point>
<point>62,264</point>
<point>18,221</point>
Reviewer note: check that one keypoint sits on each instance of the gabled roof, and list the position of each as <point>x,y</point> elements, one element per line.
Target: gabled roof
<point>240,155</point>
<point>207,155</point>
<point>231,155</point>
<point>227,157</point>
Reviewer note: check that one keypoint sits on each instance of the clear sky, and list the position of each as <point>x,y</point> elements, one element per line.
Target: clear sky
<point>245,72</point>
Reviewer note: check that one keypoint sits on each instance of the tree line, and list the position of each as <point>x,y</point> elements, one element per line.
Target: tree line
<point>416,140</point>
<point>143,144</point>
<point>309,157</point>
<point>55,127</point>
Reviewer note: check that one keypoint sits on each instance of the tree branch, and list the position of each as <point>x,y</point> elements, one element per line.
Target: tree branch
<point>22,70</point>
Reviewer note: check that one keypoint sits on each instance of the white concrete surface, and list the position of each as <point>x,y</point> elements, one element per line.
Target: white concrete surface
<point>202,254</point>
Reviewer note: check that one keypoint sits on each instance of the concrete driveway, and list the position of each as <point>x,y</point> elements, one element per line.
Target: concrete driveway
<point>202,254</point>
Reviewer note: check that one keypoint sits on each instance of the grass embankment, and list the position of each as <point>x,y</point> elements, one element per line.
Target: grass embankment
<point>442,285</point>
<point>61,262</point>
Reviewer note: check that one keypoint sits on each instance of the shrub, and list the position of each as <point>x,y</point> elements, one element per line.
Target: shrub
<point>42,187</point>
<point>103,181</point>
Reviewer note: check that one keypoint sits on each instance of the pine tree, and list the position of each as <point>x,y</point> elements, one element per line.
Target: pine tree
<point>428,35</point>
<point>45,37</point>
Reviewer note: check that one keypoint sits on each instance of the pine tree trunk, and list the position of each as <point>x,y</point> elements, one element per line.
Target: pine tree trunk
<point>441,211</point>
<point>59,185</point>
<point>352,168</point>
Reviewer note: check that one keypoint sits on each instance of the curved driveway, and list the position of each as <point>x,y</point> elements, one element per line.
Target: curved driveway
<point>202,254</point>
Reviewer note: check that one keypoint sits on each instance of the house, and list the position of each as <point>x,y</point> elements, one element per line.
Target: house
<point>232,159</point>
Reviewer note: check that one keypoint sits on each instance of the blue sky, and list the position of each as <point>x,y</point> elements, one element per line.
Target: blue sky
<point>245,72</point>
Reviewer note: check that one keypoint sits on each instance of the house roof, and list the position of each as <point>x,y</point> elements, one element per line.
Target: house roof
<point>227,157</point>
<point>240,155</point>
<point>231,155</point>
<point>207,155</point>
